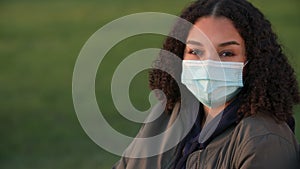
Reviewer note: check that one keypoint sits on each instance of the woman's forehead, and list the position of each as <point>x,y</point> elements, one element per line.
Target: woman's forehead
<point>215,29</point>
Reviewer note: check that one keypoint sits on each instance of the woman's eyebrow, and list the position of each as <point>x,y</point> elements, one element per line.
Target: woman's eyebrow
<point>192,42</point>
<point>228,43</point>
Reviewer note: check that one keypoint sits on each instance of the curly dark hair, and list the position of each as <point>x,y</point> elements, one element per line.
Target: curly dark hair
<point>270,84</point>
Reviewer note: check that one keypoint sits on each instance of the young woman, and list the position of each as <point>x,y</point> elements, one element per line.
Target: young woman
<point>249,107</point>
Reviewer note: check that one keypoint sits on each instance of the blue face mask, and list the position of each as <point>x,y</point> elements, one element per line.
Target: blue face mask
<point>213,83</point>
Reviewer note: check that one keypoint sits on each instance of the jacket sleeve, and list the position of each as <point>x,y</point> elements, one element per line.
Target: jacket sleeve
<point>267,151</point>
<point>149,130</point>
<point>135,163</point>
<point>121,164</point>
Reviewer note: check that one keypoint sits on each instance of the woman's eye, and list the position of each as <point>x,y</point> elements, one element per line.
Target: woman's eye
<point>226,54</point>
<point>196,52</point>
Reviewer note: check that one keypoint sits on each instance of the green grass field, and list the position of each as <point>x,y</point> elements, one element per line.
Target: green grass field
<point>39,44</point>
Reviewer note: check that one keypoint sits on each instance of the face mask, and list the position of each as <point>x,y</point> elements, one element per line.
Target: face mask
<point>213,83</point>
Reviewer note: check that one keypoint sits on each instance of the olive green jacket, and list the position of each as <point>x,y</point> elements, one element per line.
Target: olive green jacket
<point>256,142</point>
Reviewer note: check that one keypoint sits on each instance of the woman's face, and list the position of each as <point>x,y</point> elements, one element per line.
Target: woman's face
<point>219,40</point>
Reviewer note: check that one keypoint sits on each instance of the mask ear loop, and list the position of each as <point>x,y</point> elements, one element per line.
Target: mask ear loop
<point>245,64</point>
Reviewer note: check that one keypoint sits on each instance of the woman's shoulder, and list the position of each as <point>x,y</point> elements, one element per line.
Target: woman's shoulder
<point>263,140</point>
<point>261,125</point>
<point>158,121</point>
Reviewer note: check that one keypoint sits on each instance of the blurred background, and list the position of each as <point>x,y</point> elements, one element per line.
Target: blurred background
<point>39,44</point>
